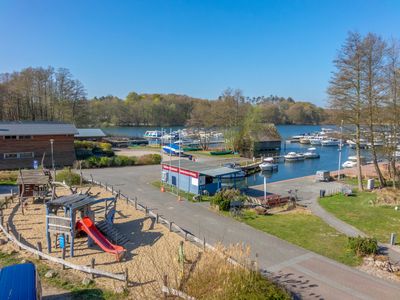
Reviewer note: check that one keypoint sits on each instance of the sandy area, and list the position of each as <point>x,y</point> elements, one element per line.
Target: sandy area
<point>151,250</point>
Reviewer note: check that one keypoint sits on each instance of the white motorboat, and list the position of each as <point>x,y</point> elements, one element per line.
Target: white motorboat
<point>352,144</point>
<point>330,142</point>
<point>351,162</point>
<point>316,140</point>
<point>311,153</point>
<point>293,156</point>
<point>268,164</point>
<point>153,134</point>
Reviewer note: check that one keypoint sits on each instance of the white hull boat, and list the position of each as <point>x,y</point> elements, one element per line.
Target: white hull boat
<point>268,164</point>
<point>330,142</point>
<point>311,153</point>
<point>293,156</point>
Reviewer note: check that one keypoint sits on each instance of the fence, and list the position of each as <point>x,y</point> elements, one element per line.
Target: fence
<point>163,221</point>
<point>64,263</point>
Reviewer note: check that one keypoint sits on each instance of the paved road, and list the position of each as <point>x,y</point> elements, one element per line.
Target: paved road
<point>309,275</point>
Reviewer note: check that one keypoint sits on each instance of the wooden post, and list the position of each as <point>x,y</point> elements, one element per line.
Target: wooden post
<point>119,194</point>
<point>126,278</point>
<point>19,240</point>
<point>135,203</point>
<point>204,244</point>
<point>127,199</point>
<point>93,262</point>
<point>186,236</point>
<point>63,255</point>
<point>39,248</point>
<point>7,228</point>
<point>91,177</point>
<point>165,283</point>
<point>1,217</point>
<point>112,190</point>
<point>156,218</point>
<point>170,226</point>
<point>145,210</point>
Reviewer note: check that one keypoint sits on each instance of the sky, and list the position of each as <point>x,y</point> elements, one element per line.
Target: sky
<point>197,48</point>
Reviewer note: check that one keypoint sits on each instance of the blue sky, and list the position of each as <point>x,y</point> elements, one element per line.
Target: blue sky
<point>197,48</point>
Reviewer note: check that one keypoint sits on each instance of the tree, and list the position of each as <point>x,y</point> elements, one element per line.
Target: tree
<point>345,89</point>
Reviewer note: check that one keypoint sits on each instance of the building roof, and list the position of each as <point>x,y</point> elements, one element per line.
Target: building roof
<point>18,282</point>
<point>90,132</point>
<point>73,201</point>
<point>36,128</point>
<point>202,168</point>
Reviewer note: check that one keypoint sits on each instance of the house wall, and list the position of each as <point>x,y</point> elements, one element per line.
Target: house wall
<point>63,149</point>
<point>185,182</point>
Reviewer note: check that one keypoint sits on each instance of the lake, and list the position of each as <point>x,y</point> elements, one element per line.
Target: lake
<point>287,170</point>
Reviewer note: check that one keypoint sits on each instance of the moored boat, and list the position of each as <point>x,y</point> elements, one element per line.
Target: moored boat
<point>330,142</point>
<point>293,156</point>
<point>311,153</point>
<point>268,164</point>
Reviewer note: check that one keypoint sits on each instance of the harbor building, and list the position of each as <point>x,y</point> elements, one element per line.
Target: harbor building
<point>29,144</point>
<point>90,134</point>
<point>262,141</point>
<point>197,178</point>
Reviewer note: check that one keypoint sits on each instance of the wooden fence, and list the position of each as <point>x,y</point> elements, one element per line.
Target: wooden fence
<point>64,263</point>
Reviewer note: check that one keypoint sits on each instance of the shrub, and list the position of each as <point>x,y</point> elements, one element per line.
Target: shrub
<point>8,177</point>
<point>363,246</point>
<point>103,162</point>
<point>149,159</point>
<point>69,177</point>
<point>223,198</point>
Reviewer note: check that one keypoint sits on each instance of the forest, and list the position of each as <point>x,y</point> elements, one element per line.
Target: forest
<point>51,94</point>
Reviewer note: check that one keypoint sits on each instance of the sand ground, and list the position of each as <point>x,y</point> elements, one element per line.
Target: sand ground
<point>152,250</point>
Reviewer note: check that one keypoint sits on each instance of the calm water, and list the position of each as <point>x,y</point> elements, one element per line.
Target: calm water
<point>287,170</point>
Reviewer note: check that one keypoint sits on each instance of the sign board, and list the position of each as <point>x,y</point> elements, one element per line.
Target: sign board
<point>181,171</point>
<point>195,181</point>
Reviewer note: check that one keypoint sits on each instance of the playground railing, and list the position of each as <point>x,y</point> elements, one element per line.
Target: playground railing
<point>85,269</point>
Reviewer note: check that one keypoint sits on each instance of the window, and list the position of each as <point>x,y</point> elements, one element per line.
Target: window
<point>10,137</point>
<point>19,155</point>
<point>10,155</point>
<point>26,155</point>
<point>25,137</point>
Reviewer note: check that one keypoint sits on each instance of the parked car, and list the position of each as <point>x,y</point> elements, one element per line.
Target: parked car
<point>20,281</point>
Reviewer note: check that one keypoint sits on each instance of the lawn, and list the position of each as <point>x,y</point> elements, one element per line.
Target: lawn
<point>354,181</point>
<point>307,231</point>
<point>376,221</point>
<point>207,153</point>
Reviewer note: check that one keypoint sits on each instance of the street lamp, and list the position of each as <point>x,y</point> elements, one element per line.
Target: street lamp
<point>340,150</point>
<point>52,156</point>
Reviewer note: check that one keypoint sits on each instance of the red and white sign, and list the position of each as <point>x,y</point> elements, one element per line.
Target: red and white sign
<point>181,171</point>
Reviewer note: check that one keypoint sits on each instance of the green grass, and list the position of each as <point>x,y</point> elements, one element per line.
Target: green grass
<point>8,182</point>
<point>207,153</point>
<point>375,221</point>
<point>353,181</point>
<point>307,231</point>
<point>72,285</point>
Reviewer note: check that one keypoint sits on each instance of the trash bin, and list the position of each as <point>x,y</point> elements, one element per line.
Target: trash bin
<point>322,193</point>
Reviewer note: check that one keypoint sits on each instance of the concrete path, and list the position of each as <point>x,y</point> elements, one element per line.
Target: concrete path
<point>307,274</point>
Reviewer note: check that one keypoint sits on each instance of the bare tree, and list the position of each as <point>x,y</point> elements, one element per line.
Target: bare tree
<point>345,89</point>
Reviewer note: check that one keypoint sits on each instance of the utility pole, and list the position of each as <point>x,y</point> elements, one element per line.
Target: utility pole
<point>52,157</point>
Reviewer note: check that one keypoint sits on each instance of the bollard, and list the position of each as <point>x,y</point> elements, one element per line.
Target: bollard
<point>112,190</point>
<point>39,248</point>
<point>135,203</point>
<point>119,194</point>
<point>392,239</point>
<point>170,226</point>
<point>93,262</point>
<point>63,256</point>
<point>165,282</point>
<point>157,218</point>
<point>145,211</point>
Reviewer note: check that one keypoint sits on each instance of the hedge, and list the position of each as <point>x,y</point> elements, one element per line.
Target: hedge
<point>120,161</point>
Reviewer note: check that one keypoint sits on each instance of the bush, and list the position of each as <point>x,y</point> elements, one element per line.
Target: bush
<point>363,246</point>
<point>8,177</point>
<point>84,149</point>
<point>69,177</point>
<point>149,159</point>
<point>104,162</point>
<point>223,198</point>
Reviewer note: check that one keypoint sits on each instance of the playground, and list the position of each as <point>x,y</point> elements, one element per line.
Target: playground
<point>89,226</point>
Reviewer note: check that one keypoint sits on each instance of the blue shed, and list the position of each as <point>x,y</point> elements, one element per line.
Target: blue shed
<point>20,282</point>
<point>195,177</point>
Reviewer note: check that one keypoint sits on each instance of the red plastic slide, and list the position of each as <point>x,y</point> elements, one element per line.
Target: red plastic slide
<point>87,226</point>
